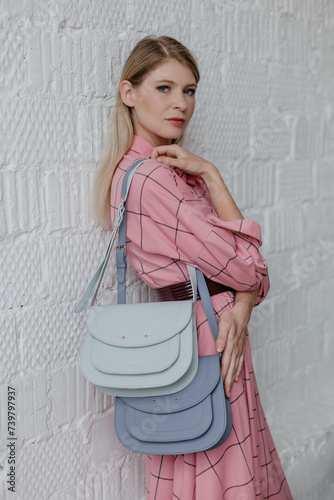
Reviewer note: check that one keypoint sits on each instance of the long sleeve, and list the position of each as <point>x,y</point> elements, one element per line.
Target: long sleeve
<point>173,219</point>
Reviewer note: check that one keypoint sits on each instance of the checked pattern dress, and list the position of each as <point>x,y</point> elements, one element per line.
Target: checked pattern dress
<point>171,222</point>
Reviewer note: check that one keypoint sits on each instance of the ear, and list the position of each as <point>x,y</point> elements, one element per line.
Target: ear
<point>127,93</point>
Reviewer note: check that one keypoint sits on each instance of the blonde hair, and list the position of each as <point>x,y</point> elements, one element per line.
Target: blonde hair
<point>148,53</point>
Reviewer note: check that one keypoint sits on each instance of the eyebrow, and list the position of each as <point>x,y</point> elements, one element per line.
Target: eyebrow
<point>172,82</point>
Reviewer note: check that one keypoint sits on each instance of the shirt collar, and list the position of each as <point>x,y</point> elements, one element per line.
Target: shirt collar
<point>141,146</point>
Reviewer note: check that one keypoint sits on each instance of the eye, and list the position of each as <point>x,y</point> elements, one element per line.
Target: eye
<point>163,88</point>
<point>190,91</point>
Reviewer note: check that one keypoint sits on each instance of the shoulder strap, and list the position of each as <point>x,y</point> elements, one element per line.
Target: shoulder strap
<point>207,303</point>
<point>97,278</point>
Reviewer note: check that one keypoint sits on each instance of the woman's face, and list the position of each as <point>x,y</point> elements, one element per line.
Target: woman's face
<point>163,103</point>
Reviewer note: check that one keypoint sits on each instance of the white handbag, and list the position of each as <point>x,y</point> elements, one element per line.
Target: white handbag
<point>137,349</point>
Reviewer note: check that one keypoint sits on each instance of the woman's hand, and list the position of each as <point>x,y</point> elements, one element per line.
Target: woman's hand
<point>232,335</point>
<point>175,156</point>
<point>221,199</point>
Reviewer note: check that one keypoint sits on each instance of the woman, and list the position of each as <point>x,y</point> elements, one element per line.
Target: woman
<point>179,212</point>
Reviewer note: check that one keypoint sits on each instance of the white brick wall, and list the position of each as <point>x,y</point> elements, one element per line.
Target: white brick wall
<point>265,116</point>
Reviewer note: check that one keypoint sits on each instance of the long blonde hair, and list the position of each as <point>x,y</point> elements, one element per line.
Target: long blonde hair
<point>148,53</point>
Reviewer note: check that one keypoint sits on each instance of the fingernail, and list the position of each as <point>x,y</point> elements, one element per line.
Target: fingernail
<point>219,348</point>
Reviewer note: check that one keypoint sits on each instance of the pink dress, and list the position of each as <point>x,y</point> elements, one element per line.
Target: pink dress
<point>171,222</point>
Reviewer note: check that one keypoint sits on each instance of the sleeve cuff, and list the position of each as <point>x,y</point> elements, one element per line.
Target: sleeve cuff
<point>263,291</point>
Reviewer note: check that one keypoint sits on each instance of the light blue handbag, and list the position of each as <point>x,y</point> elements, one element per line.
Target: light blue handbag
<point>137,349</point>
<point>197,418</point>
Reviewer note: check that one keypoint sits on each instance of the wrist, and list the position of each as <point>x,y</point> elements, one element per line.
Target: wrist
<point>221,198</point>
<point>244,308</point>
<point>245,301</point>
<point>214,183</point>
<point>210,173</point>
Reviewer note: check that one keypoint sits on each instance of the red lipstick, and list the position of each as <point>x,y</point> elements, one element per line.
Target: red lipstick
<point>177,122</point>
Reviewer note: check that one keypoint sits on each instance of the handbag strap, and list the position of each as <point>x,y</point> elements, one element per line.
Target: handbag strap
<point>196,276</point>
<point>96,280</point>
<point>121,261</point>
<point>207,303</point>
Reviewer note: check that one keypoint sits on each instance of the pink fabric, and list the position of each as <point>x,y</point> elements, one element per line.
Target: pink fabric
<point>171,222</point>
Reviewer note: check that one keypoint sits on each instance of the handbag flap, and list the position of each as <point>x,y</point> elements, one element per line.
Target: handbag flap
<point>143,384</point>
<point>135,361</point>
<point>138,325</point>
<point>200,387</point>
<point>215,435</point>
<point>187,424</point>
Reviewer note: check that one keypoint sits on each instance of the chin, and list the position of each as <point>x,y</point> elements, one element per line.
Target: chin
<point>176,137</point>
<point>171,140</point>
<point>173,136</point>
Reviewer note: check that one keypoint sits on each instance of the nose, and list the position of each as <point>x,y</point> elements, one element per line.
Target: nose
<point>179,101</point>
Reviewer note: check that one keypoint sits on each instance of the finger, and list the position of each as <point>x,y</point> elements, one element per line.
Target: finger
<point>167,150</point>
<point>237,371</point>
<point>172,162</point>
<point>224,328</point>
<point>220,343</point>
<point>226,361</point>
<point>241,361</point>
<point>229,380</point>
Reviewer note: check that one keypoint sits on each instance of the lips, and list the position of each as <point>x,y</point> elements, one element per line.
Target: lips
<point>177,122</point>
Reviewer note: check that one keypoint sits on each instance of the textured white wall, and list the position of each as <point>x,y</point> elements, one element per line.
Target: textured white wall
<point>264,116</point>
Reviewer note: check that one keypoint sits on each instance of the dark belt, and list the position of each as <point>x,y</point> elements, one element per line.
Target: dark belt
<point>182,291</point>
